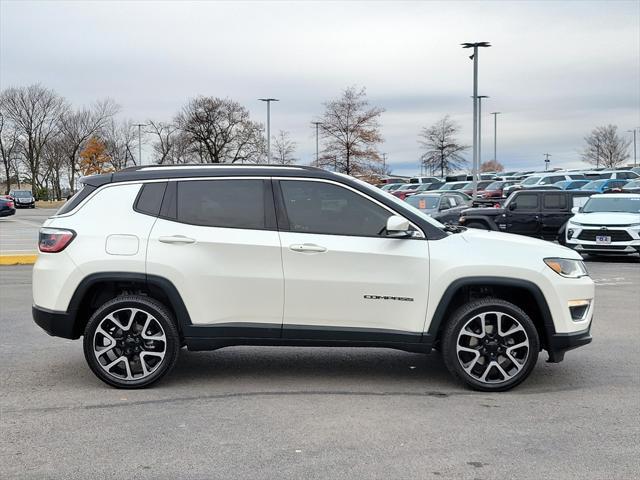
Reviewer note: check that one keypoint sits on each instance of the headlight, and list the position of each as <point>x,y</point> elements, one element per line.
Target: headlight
<point>566,267</point>
<point>575,223</point>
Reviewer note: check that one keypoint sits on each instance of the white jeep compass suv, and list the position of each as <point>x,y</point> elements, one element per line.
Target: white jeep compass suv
<point>146,260</point>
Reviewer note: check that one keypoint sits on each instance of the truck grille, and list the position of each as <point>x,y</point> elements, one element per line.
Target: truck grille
<point>616,235</point>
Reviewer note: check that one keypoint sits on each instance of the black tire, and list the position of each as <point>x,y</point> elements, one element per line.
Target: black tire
<point>478,225</point>
<point>470,312</point>
<point>166,332</point>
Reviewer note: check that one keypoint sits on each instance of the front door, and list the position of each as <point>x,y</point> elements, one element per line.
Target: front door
<point>525,217</point>
<point>344,278</point>
<point>219,246</point>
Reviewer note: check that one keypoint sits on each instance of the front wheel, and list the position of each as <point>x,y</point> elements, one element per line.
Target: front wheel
<point>131,342</point>
<point>490,344</point>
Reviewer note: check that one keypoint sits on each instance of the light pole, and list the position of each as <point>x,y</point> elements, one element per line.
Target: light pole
<point>635,161</point>
<point>317,124</point>
<point>140,125</point>
<point>268,100</point>
<point>384,160</point>
<point>474,57</point>
<point>480,97</point>
<point>495,135</point>
<point>546,161</point>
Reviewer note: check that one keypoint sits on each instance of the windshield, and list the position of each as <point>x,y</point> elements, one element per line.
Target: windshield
<point>611,204</point>
<point>531,181</point>
<point>423,202</point>
<point>593,185</point>
<point>397,201</point>
<point>495,186</point>
<point>634,184</point>
<point>21,194</point>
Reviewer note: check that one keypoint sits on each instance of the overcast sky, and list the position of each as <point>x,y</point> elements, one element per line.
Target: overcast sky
<point>556,69</point>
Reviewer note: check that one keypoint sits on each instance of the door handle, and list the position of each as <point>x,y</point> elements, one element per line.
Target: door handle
<point>307,247</point>
<point>177,239</point>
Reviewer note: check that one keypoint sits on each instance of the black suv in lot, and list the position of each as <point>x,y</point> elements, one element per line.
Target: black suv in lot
<point>536,213</point>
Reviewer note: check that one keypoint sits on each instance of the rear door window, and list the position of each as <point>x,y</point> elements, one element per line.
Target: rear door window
<point>222,203</point>
<point>554,201</point>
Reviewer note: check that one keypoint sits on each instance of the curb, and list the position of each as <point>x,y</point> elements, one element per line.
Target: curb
<point>27,259</point>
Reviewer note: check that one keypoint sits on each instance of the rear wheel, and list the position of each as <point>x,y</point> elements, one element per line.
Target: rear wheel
<point>490,344</point>
<point>131,342</point>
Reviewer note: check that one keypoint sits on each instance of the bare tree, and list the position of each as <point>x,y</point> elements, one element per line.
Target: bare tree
<point>350,130</point>
<point>442,150</point>
<point>77,127</point>
<point>283,148</point>
<point>166,135</point>
<point>9,146</point>
<point>221,131</point>
<point>605,148</point>
<point>34,112</point>
<point>120,140</point>
<point>54,161</point>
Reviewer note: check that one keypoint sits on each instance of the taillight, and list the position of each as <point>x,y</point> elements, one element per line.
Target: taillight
<point>10,204</point>
<point>54,240</point>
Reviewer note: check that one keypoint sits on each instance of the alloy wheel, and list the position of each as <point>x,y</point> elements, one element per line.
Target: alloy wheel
<point>129,344</point>
<point>492,347</point>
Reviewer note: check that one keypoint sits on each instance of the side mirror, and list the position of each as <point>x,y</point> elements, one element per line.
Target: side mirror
<point>575,210</point>
<point>513,205</point>
<point>397,227</point>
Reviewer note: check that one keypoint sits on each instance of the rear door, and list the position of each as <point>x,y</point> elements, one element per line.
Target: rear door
<point>524,219</point>
<point>216,241</point>
<point>554,214</point>
<point>344,279</point>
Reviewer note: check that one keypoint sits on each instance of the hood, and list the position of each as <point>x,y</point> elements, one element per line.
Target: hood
<point>494,241</point>
<point>606,218</point>
<point>489,211</point>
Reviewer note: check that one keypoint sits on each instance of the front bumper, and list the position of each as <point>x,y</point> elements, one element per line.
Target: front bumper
<point>625,240</point>
<point>560,343</point>
<point>56,324</point>
<point>7,212</point>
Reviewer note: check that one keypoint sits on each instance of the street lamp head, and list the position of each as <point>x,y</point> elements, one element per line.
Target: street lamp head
<point>481,96</point>
<point>476,44</point>
<point>496,113</point>
<point>268,99</point>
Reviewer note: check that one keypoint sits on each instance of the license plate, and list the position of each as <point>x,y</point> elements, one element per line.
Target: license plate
<point>603,240</point>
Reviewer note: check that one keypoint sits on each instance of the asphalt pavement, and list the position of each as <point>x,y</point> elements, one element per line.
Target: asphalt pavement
<point>280,413</point>
<point>19,232</point>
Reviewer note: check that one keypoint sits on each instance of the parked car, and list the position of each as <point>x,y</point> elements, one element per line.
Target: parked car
<point>606,224</point>
<point>452,185</point>
<point>536,213</point>
<point>201,256</point>
<point>444,207</point>
<point>631,187</point>
<point>22,198</point>
<point>425,180</point>
<point>538,180</point>
<point>390,187</point>
<point>494,191</point>
<point>619,175</point>
<point>571,184</point>
<point>7,207</point>
<point>406,189</point>
<point>480,186</point>
<point>424,187</point>
<point>603,186</point>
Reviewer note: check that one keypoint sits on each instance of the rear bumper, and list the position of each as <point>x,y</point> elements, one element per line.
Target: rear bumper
<point>560,343</point>
<point>7,211</point>
<point>56,324</point>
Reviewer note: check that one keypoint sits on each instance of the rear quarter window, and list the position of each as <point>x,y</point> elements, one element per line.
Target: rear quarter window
<point>150,198</point>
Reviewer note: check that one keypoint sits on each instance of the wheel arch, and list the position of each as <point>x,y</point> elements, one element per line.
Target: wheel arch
<point>523,293</point>
<point>97,288</point>
<point>481,219</point>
